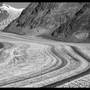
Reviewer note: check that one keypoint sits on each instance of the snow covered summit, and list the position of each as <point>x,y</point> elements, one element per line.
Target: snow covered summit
<point>8,14</point>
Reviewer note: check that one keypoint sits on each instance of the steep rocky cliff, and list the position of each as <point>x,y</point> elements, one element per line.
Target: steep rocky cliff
<point>42,15</point>
<point>57,20</point>
<point>77,28</point>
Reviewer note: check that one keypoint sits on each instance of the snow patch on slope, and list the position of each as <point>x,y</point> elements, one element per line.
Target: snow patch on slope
<point>13,14</point>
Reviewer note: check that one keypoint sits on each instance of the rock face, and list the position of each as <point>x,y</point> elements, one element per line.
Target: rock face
<point>78,26</point>
<point>42,15</point>
<point>57,20</point>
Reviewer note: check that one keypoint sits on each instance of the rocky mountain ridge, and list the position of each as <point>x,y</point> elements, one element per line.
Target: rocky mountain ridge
<point>57,20</point>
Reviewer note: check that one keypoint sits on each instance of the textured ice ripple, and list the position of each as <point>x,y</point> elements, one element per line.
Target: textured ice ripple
<point>45,65</point>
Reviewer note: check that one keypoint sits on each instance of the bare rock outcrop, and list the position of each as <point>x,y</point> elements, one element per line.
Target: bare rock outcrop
<point>39,18</point>
<point>63,21</point>
<point>76,29</point>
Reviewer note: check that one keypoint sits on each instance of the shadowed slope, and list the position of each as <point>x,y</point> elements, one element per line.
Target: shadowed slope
<point>42,18</point>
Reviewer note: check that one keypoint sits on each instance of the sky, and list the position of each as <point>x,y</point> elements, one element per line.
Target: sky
<point>18,4</point>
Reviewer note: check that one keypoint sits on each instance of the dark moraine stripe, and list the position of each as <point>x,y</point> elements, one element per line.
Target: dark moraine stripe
<point>1,45</point>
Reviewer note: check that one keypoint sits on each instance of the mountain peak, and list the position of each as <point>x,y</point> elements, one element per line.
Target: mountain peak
<point>8,14</point>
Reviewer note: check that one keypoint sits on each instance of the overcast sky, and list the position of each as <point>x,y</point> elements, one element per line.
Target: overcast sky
<point>18,4</point>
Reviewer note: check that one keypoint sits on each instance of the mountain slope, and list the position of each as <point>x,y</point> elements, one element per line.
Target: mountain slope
<point>77,29</point>
<point>39,18</point>
<point>62,21</point>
